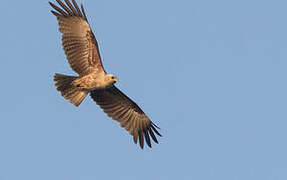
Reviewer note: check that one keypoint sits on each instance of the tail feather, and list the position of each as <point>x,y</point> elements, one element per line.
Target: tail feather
<point>64,84</point>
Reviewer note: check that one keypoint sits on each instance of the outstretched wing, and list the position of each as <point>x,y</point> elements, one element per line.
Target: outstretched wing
<point>78,40</point>
<point>121,108</point>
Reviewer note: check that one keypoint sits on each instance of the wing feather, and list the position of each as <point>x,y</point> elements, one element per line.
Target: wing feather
<point>71,7</point>
<point>147,137</point>
<point>79,42</point>
<point>152,135</point>
<point>125,119</point>
<point>135,133</point>
<point>55,13</point>
<point>84,13</point>
<point>78,9</point>
<point>122,109</point>
<point>130,124</point>
<point>154,129</point>
<point>64,7</point>
<point>141,139</point>
<point>62,13</point>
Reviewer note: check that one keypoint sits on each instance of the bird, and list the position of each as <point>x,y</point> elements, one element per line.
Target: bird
<point>82,52</point>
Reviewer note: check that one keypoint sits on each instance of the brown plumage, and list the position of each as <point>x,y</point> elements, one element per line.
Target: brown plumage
<point>82,51</point>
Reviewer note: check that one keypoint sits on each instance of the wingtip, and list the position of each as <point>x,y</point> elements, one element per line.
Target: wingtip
<point>51,4</point>
<point>141,140</point>
<point>146,134</point>
<point>155,125</point>
<point>55,13</point>
<point>135,139</point>
<point>84,13</point>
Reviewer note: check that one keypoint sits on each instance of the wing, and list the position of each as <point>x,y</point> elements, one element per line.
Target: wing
<point>78,40</point>
<point>122,109</point>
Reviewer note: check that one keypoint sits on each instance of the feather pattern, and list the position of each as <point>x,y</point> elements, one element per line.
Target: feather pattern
<point>122,109</point>
<point>82,51</point>
<point>78,40</point>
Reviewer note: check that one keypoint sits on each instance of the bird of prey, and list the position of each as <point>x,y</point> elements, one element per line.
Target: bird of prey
<point>82,51</point>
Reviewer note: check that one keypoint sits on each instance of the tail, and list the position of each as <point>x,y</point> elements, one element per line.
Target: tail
<point>64,84</point>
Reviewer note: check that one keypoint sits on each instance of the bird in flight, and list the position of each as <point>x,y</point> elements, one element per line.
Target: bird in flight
<point>82,51</point>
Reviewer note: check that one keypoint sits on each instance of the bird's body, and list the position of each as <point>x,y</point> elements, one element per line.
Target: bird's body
<point>95,81</point>
<point>81,49</point>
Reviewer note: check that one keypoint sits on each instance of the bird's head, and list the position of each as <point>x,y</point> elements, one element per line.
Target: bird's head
<point>111,79</point>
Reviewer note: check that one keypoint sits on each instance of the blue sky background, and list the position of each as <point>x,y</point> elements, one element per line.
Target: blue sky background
<point>211,74</point>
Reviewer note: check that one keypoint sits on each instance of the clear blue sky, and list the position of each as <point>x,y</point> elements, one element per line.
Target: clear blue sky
<point>211,74</point>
